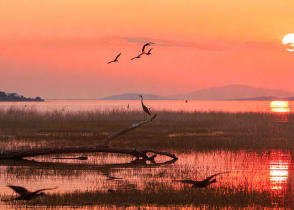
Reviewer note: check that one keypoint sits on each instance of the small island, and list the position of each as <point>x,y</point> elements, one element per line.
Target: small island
<point>16,97</point>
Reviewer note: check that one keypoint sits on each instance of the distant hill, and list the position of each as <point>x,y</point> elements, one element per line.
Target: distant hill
<point>234,92</point>
<point>134,96</point>
<point>289,99</point>
<point>262,98</point>
<point>16,97</point>
<point>229,92</point>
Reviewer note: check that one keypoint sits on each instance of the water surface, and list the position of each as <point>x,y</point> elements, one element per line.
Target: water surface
<point>268,171</point>
<point>157,105</point>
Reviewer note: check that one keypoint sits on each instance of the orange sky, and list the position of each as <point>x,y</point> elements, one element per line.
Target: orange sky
<point>59,48</point>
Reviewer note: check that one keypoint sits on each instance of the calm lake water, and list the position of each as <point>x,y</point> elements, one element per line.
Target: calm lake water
<point>156,105</point>
<point>269,171</point>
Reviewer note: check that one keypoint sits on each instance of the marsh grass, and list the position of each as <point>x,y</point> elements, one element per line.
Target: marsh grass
<point>208,130</point>
<point>170,131</point>
<point>162,195</point>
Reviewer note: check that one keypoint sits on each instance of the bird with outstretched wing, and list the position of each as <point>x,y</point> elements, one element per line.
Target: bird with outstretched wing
<point>115,60</point>
<point>138,56</point>
<point>26,194</point>
<point>200,184</point>
<point>145,45</point>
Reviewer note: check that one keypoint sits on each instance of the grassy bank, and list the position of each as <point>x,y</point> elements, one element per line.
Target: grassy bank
<point>170,131</point>
<point>180,131</point>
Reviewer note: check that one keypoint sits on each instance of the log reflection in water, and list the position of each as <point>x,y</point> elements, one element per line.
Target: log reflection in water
<point>138,163</point>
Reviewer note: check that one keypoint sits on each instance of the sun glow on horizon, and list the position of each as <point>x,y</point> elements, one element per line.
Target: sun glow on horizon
<point>289,41</point>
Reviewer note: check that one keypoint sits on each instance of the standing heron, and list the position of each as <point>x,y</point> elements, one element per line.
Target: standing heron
<point>201,184</point>
<point>115,60</point>
<point>27,195</point>
<point>145,108</point>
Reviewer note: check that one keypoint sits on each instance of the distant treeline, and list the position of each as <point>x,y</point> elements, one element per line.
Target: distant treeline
<point>16,97</point>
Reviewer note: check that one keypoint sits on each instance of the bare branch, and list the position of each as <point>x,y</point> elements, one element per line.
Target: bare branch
<point>143,154</point>
<point>121,132</point>
<point>19,154</point>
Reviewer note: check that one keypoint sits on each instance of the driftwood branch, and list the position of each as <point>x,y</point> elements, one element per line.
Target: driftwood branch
<point>105,168</point>
<point>19,154</point>
<point>146,155</point>
<point>121,132</point>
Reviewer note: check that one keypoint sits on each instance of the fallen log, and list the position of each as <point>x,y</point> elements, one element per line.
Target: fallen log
<point>105,168</point>
<point>143,154</point>
<point>19,154</point>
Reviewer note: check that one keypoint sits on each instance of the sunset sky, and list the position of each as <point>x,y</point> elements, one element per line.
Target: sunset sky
<point>60,48</point>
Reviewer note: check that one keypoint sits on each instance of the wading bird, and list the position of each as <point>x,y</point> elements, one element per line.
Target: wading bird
<point>138,56</point>
<point>27,195</point>
<point>115,60</point>
<point>145,108</point>
<point>201,184</point>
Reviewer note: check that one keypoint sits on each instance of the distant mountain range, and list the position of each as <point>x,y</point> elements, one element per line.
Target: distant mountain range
<point>229,92</point>
<point>232,92</point>
<point>134,96</point>
<point>16,97</point>
<point>265,98</point>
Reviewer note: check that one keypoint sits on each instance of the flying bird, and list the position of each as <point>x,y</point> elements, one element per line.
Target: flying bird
<point>145,45</point>
<point>27,195</point>
<point>138,56</point>
<point>149,52</point>
<point>145,108</point>
<point>201,184</point>
<point>115,60</point>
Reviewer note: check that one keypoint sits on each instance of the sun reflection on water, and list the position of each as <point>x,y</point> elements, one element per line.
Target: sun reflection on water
<point>279,170</point>
<point>281,109</point>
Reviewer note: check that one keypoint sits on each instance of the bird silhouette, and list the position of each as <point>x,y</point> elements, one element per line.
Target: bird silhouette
<point>138,56</point>
<point>201,184</point>
<point>145,45</point>
<point>28,195</point>
<point>115,60</point>
<point>145,108</point>
<point>149,52</point>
